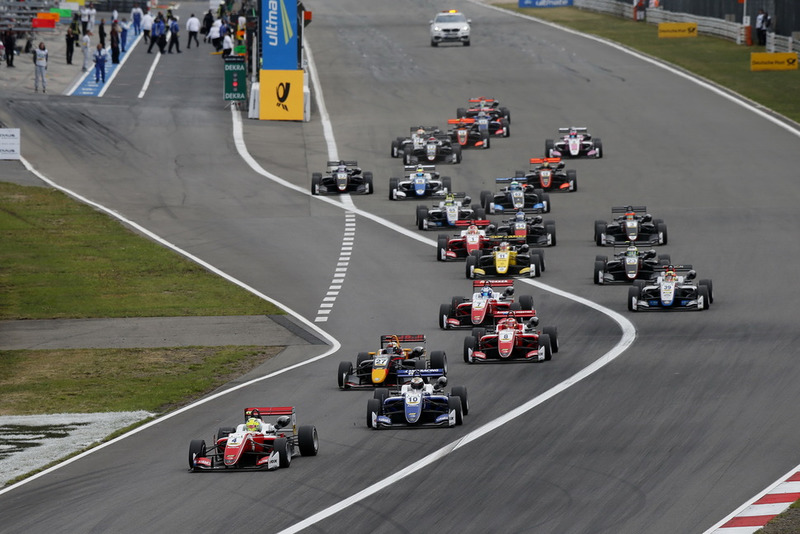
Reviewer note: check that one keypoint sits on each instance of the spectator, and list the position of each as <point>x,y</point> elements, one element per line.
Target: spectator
<point>84,19</point>
<point>100,57</point>
<point>10,42</point>
<point>92,15</point>
<point>71,40</point>
<point>40,60</point>
<point>763,21</point>
<point>192,27</point>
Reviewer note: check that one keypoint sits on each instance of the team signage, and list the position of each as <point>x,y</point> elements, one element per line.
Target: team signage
<point>281,95</point>
<point>677,29</point>
<point>545,3</point>
<point>279,35</point>
<point>9,143</point>
<point>773,61</point>
<point>235,87</point>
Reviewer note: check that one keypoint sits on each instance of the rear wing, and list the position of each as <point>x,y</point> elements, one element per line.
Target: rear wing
<point>539,161</point>
<point>349,163</point>
<point>428,129</point>
<point>626,209</point>
<point>481,99</point>
<point>525,314</point>
<point>408,374</point>
<point>425,168</point>
<point>402,338</point>
<point>685,268</point>
<point>461,121</point>
<point>510,239</point>
<point>269,410</point>
<point>477,222</point>
<point>508,179</point>
<point>582,129</point>
<point>477,284</point>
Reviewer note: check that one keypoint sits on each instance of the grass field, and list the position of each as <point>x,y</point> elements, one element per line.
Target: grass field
<point>721,61</point>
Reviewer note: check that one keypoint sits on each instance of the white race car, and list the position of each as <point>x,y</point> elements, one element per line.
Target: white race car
<point>673,289</point>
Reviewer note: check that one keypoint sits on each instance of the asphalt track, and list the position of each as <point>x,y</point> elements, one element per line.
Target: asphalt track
<point>695,418</point>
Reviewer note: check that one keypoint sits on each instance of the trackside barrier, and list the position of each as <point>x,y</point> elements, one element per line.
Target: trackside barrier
<point>782,43</point>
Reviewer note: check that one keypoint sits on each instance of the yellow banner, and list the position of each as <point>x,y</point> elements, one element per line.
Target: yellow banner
<point>773,61</point>
<point>281,95</point>
<point>677,29</point>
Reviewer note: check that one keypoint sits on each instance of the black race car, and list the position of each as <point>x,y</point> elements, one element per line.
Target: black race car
<point>549,174</point>
<point>535,231</point>
<point>342,177</point>
<point>515,197</point>
<point>629,265</point>
<point>633,225</point>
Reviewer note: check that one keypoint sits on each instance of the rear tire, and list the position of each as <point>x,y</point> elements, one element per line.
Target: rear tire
<point>361,358</point>
<point>526,302</point>
<point>439,360</point>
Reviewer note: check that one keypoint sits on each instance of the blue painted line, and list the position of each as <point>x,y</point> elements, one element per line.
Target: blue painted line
<point>88,87</point>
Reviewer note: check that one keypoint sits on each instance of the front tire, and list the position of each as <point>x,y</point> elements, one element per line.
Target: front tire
<point>197,447</point>
<point>441,247</point>
<point>373,407</point>
<point>454,404</point>
<point>284,453</point>
<point>544,341</point>
<point>552,331</point>
<point>461,392</point>
<point>308,440</point>
<point>439,360</point>
<point>345,369</point>
<point>316,180</point>
<point>470,344</point>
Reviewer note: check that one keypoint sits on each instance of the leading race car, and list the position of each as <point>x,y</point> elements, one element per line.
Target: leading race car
<point>515,197</point>
<point>256,444</point>
<point>673,289</point>
<point>506,260</point>
<point>634,225</point>
<point>536,231</point>
<point>487,301</point>
<point>342,177</point>
<point>418,403</point>
<point>486,105</point>
<point>383,367</point>
<point>450,212</point>
<point>549,174</point>
<point>629,265</point>
<point>428,146</point>
<point>420,181</point>
<point>514,338</point>
<point>573,143</point>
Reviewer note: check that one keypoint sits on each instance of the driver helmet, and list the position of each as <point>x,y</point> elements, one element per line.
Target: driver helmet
<point>420,130</point>
<point>449,200</point>
<point>546,165</point>
<point>420,174</point>
<point>472,229</point>
<point>503,247</point>
<point>508,323</point>
<point>632,251</point>
<point>669,275</point>
<point>417,383</point>
<point>392,348</point>
<point>630,215</point>
<point>253,425</point>
<point>520,216</point>
<point>573,132</point>
<point>342,168</point>
<point>487,290</point>
<point>513,186</point>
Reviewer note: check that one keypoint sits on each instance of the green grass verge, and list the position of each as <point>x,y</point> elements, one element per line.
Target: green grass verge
<point>721,61</point>
<point>103,380</point>
<point>62,259</point>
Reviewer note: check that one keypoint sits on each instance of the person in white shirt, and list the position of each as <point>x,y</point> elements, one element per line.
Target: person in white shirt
<point>147,25</point>
<point>136,17</point>
<point>92,15</point>
<point>192,27</point>
<point>40,60</point>
<point>227,44</point>
<point>84,19</point>
<point>86,42</point>
<point>214,36</point>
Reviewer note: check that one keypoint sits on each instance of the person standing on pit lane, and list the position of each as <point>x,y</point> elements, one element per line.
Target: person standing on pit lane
<point>214,35</point>
<point>192,27</point>
<point>114,37</point>
<point>147,26</point>
<point>124,26</point>
<point>92,16</point>
<point>84,19</point>
<point>101,32</point>
<point>156,33</point>
<point>227,44</point>
<point>40,60</point>
<point>208,20</point>
<point>71,39</point>
<point>100,57</point>
<point>10,42</point>
<point>136,17</point>
<point>174,28</point>
<point>86,42</point>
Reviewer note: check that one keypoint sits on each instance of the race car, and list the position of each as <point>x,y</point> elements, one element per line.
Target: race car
<point>419,181</point>
<point>628,265</point>
<point>478,131</point>
<point>383,367</point>
<point>428,146</point>
<point>506,259</point>
<point>450,26</point>
<point>634,225</point>
<point>536,231</point>
<point>450,212</point>
<point>342,177</point>
<point>573,143</point>
<point>417,137</point>
<point>418,403</point>
<point>549,174</point>
<point>514,338</point>
<point>516,197</point>
<point>487,300</point>
<point>673,289</point>
<point>460,246</point>
<point>256,444</point>
<point>487,105</point>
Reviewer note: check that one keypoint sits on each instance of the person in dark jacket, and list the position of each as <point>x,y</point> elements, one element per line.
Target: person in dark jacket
<point>71,40</point>
<point>114,36</point>
<point>10,42</point>
<point>101,32</point>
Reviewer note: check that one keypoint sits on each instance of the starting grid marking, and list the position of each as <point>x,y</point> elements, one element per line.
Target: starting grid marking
<point>341,268</point>
<point>86,86</point>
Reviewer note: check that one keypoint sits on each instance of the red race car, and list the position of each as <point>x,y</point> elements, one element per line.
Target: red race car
<point>490,298</point>
<point>471,239</point>
<point>549,174</point>
<point>256,443</point>
<point>512,340</point>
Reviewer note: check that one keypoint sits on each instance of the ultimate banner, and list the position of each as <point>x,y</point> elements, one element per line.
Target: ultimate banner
<point>279,35</point>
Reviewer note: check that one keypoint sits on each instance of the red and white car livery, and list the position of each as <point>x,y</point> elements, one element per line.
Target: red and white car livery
<point>512,339</point>
<point>490,300</point>
<point>469,240</point>
<point>256,444</point>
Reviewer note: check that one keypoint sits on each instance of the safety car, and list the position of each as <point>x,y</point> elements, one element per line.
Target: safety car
<point>573,142</point>
<point>342,177</point>
<point>633,224</point>
<point>383,367</point>
<point>450,26</point>
<point>489,297</point>
<point>673,289</point>
<point>419,181</point>
<point>256,443</point>
<point>514,338</point>
<point>450,212</point>
<point>418,403</point>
